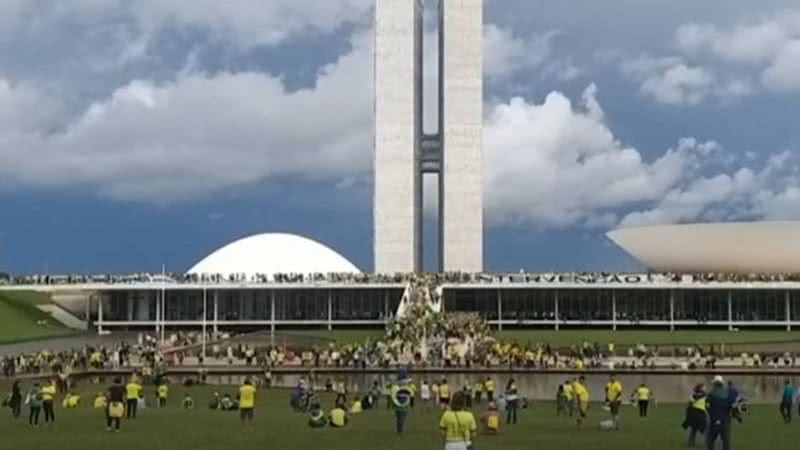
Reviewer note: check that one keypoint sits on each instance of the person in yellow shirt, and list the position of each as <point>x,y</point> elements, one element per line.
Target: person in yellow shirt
<point>444,394</point>
<point>569,396</point>
<point>163,393</point>
<point>642,395</point>
<point>247,402</point>
<point>133,390</point>
<point>489,386</point>
<point>458,425</point>
<point>48,397</point>
<point>477,390</point>
<point>100,401</point>
<point>338,416</point>
<point>581,393</point>
<point>71,401</point>
<point>614,398</point>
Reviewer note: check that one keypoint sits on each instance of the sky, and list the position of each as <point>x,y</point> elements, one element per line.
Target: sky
<point>142,133</point>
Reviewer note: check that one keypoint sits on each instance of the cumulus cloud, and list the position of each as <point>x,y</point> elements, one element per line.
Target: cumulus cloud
<point>203,132</point>
<point>559,164</point>
<point>769,44</point>
<point>506,53</point>
<point>554,163</point>
<point>784,72</point>
<point>671,80</point>
<point>745,194</point>
<point>245,23</point>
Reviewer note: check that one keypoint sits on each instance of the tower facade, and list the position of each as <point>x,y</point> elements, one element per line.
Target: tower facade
<point>397,207</point>
<point>403,152</point>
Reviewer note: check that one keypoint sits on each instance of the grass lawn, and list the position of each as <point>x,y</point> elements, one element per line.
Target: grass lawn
<point>173,428</point>
<point>18,317</point>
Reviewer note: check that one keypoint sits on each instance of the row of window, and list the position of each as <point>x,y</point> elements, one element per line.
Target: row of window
<point>511,304</point>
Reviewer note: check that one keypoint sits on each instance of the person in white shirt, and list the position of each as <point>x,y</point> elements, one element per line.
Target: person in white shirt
<point>425,394</point>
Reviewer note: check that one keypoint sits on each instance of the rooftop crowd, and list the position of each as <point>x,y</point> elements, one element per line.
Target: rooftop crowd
<point>399,278</point>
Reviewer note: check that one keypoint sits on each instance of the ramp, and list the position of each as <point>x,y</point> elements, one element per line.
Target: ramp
<point>63,317</point>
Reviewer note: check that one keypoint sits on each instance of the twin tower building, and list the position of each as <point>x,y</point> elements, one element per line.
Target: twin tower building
<point>404,152</point>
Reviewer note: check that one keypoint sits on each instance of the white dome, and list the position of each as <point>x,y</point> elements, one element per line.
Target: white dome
<point>273,253</point>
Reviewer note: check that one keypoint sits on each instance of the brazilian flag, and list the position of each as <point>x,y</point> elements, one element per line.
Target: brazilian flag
<point>401,396</point>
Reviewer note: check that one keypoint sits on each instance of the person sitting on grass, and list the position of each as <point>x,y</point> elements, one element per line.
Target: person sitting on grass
<point>188,402</point>
<point>215,402</point>
<point>71,401</point>
<point>227,403</point>
<point>338,416</point>
<point>490,420</point>
<point>100,401</point>
<point>316,418</point>
<point>356,407</point>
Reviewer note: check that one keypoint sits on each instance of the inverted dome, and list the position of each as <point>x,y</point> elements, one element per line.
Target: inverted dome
<point>272,253</point>
<point>734,247</point>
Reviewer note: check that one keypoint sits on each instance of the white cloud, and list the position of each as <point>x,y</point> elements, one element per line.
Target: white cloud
<point>770,45</point>
<point>784,72</point>
<point>549,164</point>
<point>557,164</point>
<point>202,133</point>
<point>751,44</point>
<point>245,23</point>
<point>748,194</point>
<point>671,80</point>
<point>506,53</point>
<point>561,70</point>
<point>679,85</point>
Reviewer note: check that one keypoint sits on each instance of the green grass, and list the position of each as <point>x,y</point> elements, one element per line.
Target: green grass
<point>276,427</point>
<point>19,317</point>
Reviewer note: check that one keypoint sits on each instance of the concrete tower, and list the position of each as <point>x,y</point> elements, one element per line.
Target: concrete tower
<point>403,153</point>
<point>397,208</point>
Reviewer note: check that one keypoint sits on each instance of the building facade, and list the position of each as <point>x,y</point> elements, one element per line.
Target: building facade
<point>404,152</point>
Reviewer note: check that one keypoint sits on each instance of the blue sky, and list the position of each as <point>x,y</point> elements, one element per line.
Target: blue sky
<point>140,133</point>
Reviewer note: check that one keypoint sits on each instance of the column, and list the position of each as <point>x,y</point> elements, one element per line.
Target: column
<point>556,308</point>
<point>614,310</point>
<point>215,319</point>
<point>730,311</point>
<point>788,306</point>
<point>100,314</point>
<point>672,310</point>
<point>158,310</point>
<point>330,309</point>
<point>386,305</point>
<point>130,306</point>
<point>163,313</point>
<point>500,310</point>
<point>272,316</point>
<point>205,320</point>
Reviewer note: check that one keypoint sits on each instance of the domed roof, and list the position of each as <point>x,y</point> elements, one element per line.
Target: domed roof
<point>272,253</point>
<point>740,247</point>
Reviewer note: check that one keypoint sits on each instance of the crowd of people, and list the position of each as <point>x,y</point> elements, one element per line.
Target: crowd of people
<point>397,278</point>
<point>709,413</point>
